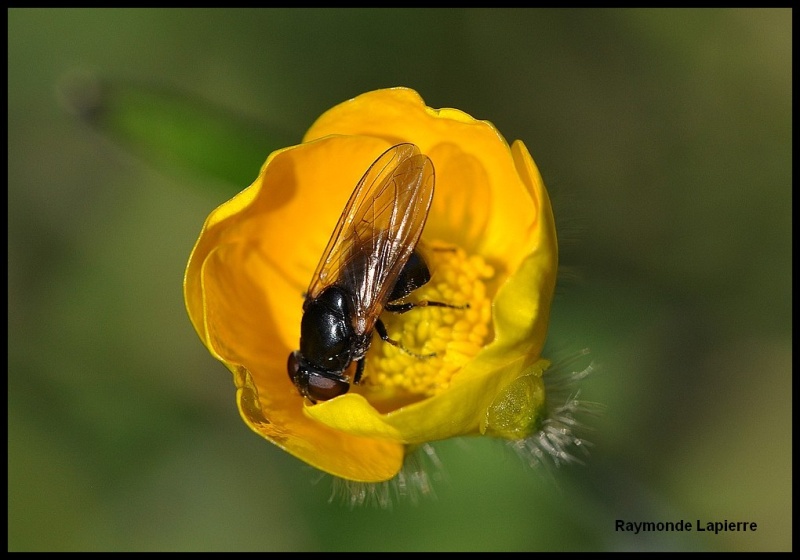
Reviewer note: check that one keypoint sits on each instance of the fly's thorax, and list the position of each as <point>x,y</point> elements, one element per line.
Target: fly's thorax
<point>326,337</point>
<point>444,339</point>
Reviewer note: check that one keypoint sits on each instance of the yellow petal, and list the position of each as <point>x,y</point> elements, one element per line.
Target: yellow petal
<point>459,411</point>
<point>278,417</point>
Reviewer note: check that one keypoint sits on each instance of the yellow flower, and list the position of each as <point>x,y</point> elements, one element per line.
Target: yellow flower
<point>491,244</point>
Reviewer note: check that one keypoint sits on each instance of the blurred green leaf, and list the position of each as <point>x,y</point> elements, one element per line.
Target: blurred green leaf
<point>169,129</point>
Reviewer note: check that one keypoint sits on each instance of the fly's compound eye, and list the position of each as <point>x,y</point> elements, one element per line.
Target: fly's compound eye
<point>323,388</point>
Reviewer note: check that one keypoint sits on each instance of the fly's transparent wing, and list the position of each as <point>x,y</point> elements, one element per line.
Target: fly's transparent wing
<point>377,232</point>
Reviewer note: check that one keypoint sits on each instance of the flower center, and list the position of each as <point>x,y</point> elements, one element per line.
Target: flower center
<point>438,341</point>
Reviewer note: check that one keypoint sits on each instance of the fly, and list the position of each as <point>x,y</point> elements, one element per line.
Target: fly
<point>370,263</point>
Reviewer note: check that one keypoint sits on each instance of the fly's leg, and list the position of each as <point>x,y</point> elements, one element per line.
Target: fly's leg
<point>359,370</point>
<point>381,329</point>
<point>406,307</point>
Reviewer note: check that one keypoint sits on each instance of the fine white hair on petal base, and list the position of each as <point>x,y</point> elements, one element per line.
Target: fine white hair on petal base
<point>415,481</point>
<point>561,437</point>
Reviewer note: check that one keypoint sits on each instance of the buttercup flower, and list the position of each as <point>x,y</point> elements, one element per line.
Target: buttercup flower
<point>474,368</point>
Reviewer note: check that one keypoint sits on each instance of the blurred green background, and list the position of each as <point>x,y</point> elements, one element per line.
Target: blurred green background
<point>664,138</point>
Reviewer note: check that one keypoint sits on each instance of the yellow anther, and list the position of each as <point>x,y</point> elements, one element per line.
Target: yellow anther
<point>454,335</point>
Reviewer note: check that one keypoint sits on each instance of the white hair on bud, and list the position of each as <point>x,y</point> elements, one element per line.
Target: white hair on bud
<point>415,481</point>
<point>561,439</point>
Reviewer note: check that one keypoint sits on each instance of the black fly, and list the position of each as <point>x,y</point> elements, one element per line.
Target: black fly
<point>370,261</point>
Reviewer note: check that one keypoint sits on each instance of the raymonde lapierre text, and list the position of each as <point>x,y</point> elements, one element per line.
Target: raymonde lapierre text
<point>715,527</point>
